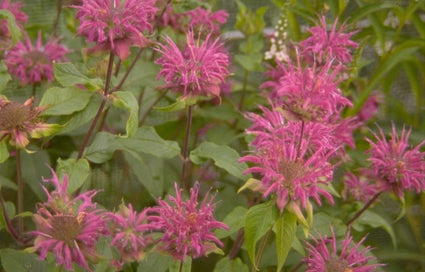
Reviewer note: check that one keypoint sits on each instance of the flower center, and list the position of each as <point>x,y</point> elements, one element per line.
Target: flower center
<point>291,170</point>
<point>336,265</point>
<point>66,228</point>
<point>37,57</point>
<point>13,115</point>
<point>191,218</point>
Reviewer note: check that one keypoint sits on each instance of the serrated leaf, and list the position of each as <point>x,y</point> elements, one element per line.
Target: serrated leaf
<point>103,146</point>
<point>4,152</point>
<point>286,228</point>
<point>77,171</point>
<point>235,220</point>
<point>375,220</point>
<point>127,101</point>
<point>258,221</point>
<point>155,262</point>
<point>63,101</point>
<point>223,156</point>
<point>68,75</point>
<point>21,261</point>
<point>227,265</point>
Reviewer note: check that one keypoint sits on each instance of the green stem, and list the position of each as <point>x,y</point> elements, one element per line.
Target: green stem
<point>186,161</point>
<point>34,89</point>
<point>245,83</point>
<point>366,206</point>
<point>145,115</point>
<point>101,107</point>
<point>58,14</point>
<point>181,266</point>
<point>20,183</point>
<point>261,250</point>
<point>9,225</point>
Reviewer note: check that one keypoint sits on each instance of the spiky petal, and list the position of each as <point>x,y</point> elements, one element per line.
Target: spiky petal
<point>186,225</point>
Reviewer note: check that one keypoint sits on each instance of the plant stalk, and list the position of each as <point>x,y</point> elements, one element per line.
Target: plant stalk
<point>261,250</point>
<point>366,206</point>
<point>20,183</point>
<point>245,83</point>
<point>186,161</point>
<point>181,266</point>
<point>101,107</point>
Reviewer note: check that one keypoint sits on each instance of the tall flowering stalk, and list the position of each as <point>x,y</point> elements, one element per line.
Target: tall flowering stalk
<point>68,227</point>
<point>186,226</point>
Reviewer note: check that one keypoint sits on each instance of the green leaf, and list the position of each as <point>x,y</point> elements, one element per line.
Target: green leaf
<point>286,228</point>
<point>35,168</point>
<point>371,8</point>
<point>251,62</point>
<point>15,31</point>
<point>155,262</point>
<point>4,153</point>
<point>259,219</point>
<point>102,148</point>
<point>4,76</point>
<point>235,220</point>
<point>21,261</point>
<point>10,210</point>
<point>227,265</point>
<point>63,101</point>
<point>249,22</point>
<point>375,220</point>
<point>177,106</point>
<point>147,171</point>
<point>223,156</point>
<point>68,75</point>
<point>127,101</point>
<point>77,171</point>
<point>175,266</point>
<point>5,182</point>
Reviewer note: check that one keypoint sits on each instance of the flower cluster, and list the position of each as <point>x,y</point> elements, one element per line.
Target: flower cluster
<point>34,64</point>
<point>19,121</point>
<point>325,255</point>
<point>198,70</point>
<point>187,228</point>
<point>68,227</point>
<point>116,25</point>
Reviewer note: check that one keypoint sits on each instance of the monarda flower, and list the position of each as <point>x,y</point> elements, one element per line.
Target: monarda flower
<point>396,166</point>
<point>68,227</point>
<point>33,64</point>
<point>115,25</point>
<point>204,21</point>
<point>198,70</point>
<point>19,121</point>
<point>308,94</point>
<point>290,170</point>
<point>187,229</point>
<point>358,187</point>
<point>325,255</point>
<point>324,45</point>
<point>130,231</point>
<point>20,19</point>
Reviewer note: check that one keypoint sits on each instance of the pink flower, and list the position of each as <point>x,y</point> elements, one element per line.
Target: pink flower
<point>115,24</point>
<point>358,187</point>
<point>324,45</point>
<point>68,227</point>
<point>309,94</point>
<point>129,230</point>
<point>397,166</point>
<point>370,107</point>
<point>20,19</point>
<point>204,21</point>
<point>34,64</point>
<point>187,229</point>
<point>325,255</point>
<point>197,70</point>
<point>290,170</point>
<point>19,121</point>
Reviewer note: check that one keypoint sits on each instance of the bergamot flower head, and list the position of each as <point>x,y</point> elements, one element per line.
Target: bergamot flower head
<point>186,225</point>
<point>33,64</point>
<point>115,25</point>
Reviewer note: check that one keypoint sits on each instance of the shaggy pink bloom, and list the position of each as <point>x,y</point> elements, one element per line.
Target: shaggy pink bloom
<point>115,24</point>
<point>205,21</point>
<point>309,94</point>
<point>397,166</point>
<point>129,230</point>
<point>325,45</point>
<point>325,255</point>
<point>370,107</point>
<point>358,187</point>
<point>20,19</point>
<point>197,70</point>
<point>187,229</point>
<point>33,64</point>
<point>68,227</point>
<point>19,121</point>
<point>289,169</point>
